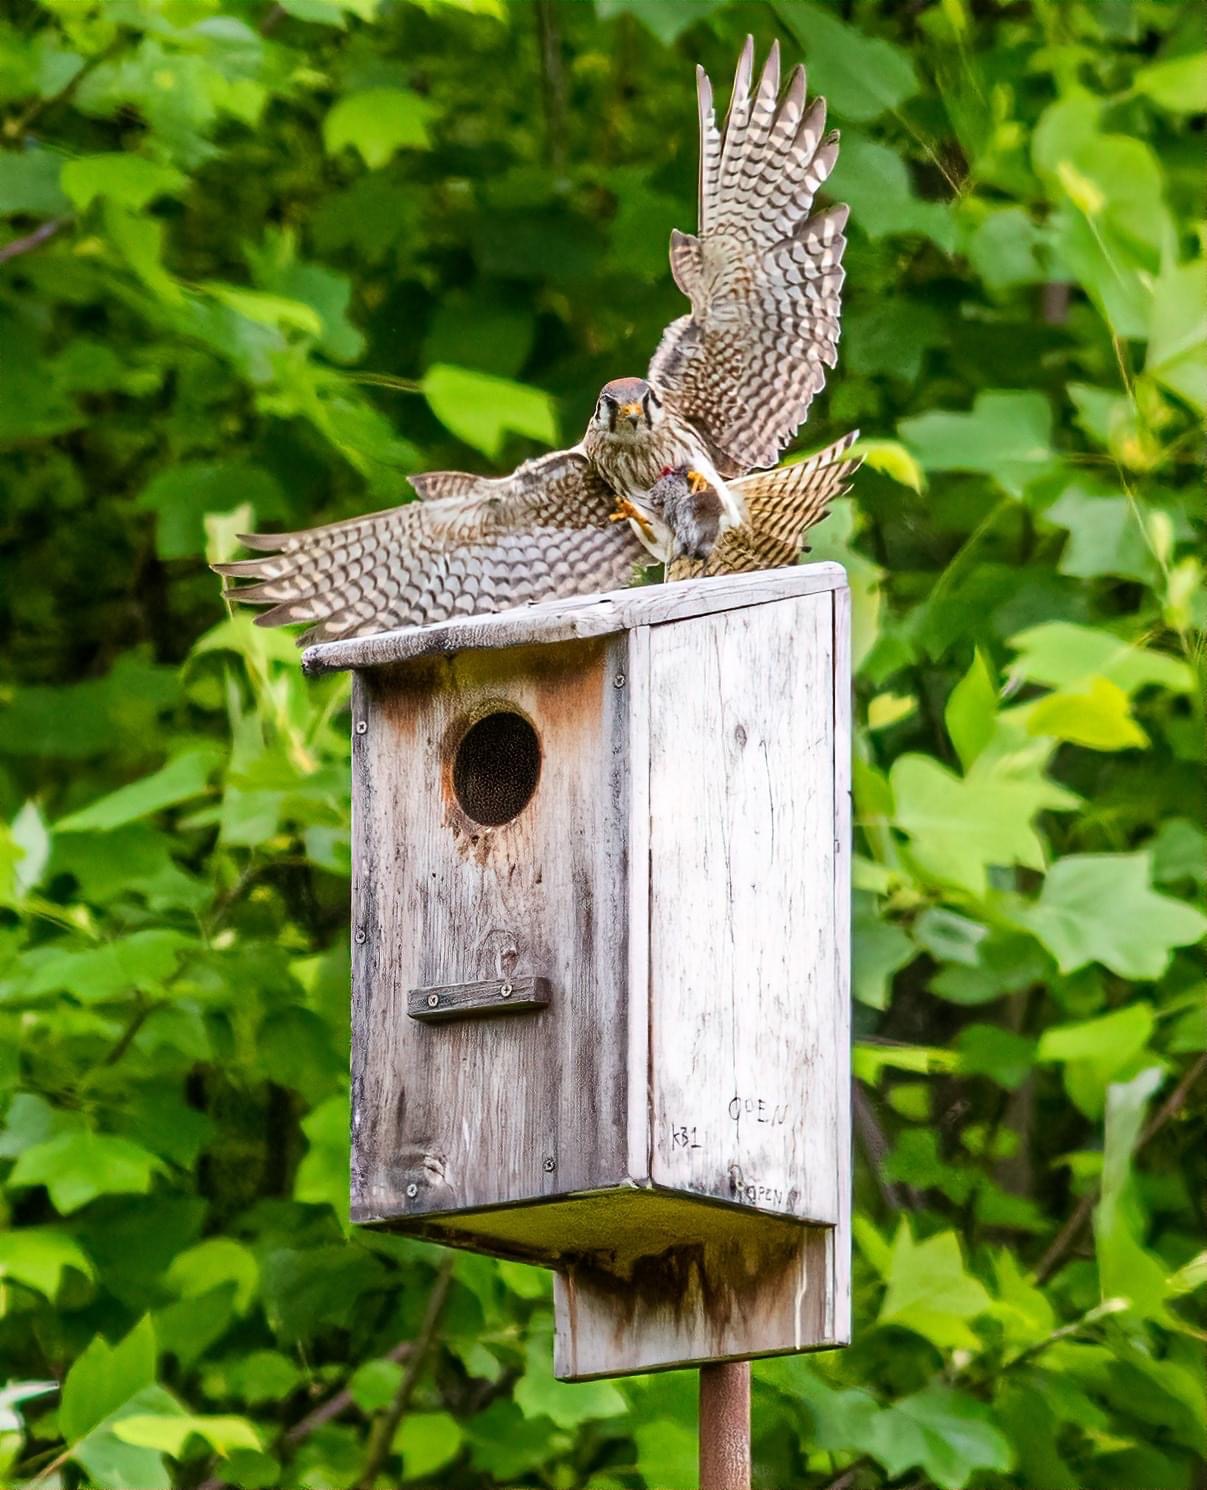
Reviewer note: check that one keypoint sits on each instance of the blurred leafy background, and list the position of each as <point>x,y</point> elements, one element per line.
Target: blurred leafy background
<point>257,261</point>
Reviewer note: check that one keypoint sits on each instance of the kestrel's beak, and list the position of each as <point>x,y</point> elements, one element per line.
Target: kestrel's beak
<point>632,412</point>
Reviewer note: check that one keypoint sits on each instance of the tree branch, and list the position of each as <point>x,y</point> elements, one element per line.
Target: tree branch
<point>382,1433</point>
<point>43,233</point>
<point>1066,1237</point>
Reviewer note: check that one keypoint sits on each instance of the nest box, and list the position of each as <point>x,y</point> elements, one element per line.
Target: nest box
<point>600,1015</point>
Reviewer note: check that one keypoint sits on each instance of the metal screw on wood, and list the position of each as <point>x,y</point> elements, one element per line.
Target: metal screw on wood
<point>506,991</point>
<point>432,1000</point>
<point>412,1190</point>
<point>618,681</point>
<point>361,726</point>
<point>362,936</point>
<point>550,1165</point>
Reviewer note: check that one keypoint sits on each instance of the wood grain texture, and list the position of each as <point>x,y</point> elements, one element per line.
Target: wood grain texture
<point>485,998</point>
<point>481,1112</point>
<point>745,1031</point>
<point>577,618</point>
<point>755,1288</point>
<point>838,1271</point>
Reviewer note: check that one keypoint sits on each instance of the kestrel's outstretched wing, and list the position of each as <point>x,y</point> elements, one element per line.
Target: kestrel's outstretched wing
<point>475,544</point>
<point>763,277</point>
<point>781,506</point>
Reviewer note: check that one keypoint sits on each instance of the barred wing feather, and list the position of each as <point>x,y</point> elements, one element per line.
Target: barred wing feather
<point>764,277</point>
<point>475,544</point>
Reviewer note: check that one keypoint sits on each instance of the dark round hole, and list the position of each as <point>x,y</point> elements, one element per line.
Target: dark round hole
<point>496,768</point>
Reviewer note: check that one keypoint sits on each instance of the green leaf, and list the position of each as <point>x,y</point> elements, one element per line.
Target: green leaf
<point>77,1167</point>
<point>131,180</point>
<point>879,949</point>
<point>876,183</point>
<point>972,710</point>
<point>482,410</point>
<point>212,1263</point>
<point>105,1376</point>
<point>184,494</point>
<point>946,1433</point>
<point>141,962</point>
<point>378,122</point>
<point>987,1050</point>
<point>539,1394</point>
<point>28,834</point>
<point>38,1256</point>
<point>1125,1268</point>
<point>931,1292</point>
<point>1106,535</point>
<point>169,1433</point>
<point>427,1442</point>
<point>1098,717</point>
<point>665,19</point>
<point>1177,332</point>
<point>1006,435</point>
<point>266,310</point>
<point>1062,655</point>
<point>1101,908</point>
<point>959,826</point>
<point>29,183</point>
<point>892,459</point>
<point>1003,249</point>
<point>374,1384</point>
<point>1178,84</point>
<point>862,76</point>
<point>184,777</point>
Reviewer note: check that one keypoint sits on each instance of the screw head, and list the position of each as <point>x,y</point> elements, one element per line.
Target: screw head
<point>361,726</point>
<point>618,681</point>
<point>506,991</point>
<point>550,1165</point>
<point>432,1000</point>
<point>361,936</point>
<point>412,1190</point>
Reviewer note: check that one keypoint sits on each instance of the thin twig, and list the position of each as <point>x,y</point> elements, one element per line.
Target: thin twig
<point>336,1405</point>
<point>381,1436</point>
<point>874,1143</point>
<point>43,233</point>
<point>1066,1237</point>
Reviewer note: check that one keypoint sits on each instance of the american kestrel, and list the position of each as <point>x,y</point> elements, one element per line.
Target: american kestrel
<point>727,389</point>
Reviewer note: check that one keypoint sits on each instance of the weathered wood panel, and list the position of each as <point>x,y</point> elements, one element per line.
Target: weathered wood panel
<point>477,1112</point>
<point>748,1290</point>
<point>839,1269</point>
<point>744,1026</point>
<point>576,618</point>
<point>479,1000</point>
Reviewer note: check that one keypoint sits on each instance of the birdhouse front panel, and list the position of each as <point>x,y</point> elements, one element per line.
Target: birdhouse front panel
<point>489,939</point>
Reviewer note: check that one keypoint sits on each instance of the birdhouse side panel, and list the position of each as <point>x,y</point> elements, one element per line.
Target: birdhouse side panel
<point>494,1107</point>
<point>748,1031</point>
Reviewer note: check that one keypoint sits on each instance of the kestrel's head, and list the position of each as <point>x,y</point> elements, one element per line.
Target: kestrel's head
<point>626,406</point>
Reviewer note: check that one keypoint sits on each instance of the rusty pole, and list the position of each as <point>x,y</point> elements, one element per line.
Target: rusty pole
<point>725,1426</point>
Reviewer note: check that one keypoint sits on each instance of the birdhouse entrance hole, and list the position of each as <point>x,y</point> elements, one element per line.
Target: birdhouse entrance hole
<point>496,767</point>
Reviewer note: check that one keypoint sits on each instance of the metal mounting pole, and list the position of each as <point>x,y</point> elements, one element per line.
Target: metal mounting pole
<point>725,1426</point>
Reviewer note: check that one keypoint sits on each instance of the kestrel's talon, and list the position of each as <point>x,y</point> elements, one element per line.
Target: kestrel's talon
<point>626,512</point>
<point>698,483</point>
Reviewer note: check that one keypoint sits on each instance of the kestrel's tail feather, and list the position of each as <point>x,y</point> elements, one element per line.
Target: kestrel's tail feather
<point>781,506</point>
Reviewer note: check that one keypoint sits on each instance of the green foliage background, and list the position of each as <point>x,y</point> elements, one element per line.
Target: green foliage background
<point>258,261</point>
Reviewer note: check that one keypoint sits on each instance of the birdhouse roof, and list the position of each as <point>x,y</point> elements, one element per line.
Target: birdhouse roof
<point>575,618</point>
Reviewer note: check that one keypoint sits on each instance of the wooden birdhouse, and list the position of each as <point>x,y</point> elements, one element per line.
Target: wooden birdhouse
<point>600,956</point>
